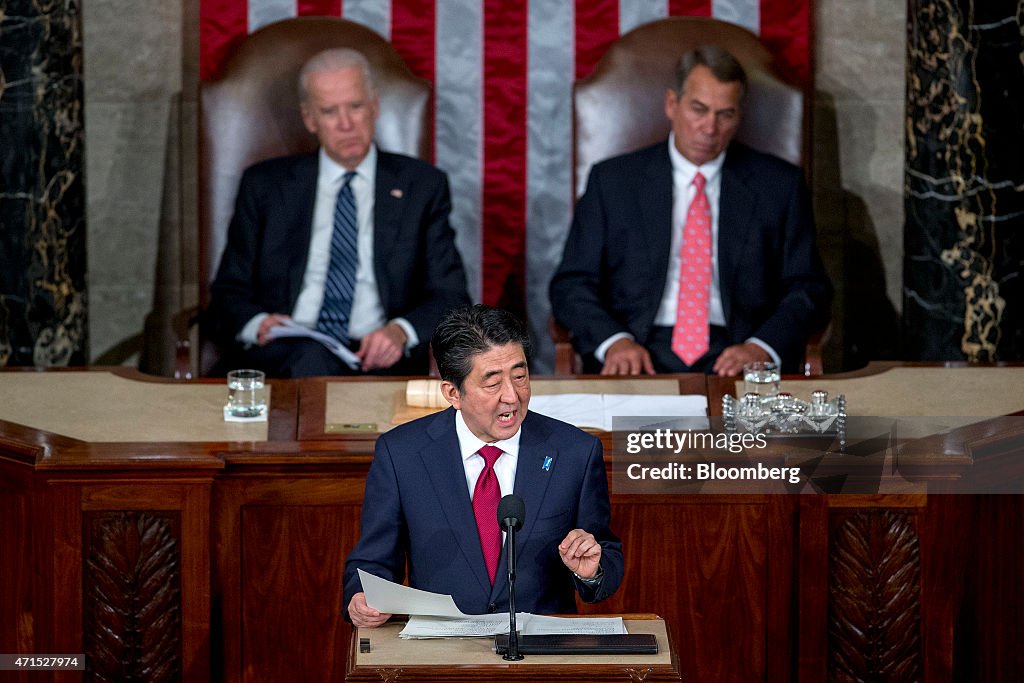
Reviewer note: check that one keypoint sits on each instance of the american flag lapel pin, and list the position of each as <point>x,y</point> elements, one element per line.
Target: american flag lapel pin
<point>547,463</point>
<point>396,193</point>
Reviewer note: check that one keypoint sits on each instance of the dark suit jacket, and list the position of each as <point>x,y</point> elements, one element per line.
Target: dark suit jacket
<point>616,258</point>
<point>417,507</point>
<point>418,270</point>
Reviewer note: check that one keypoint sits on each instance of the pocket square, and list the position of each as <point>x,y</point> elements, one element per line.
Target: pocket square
<point>396,193</point>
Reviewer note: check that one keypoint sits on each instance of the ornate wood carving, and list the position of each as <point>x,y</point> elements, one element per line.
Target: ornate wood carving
<point>132,596</point>
<point>389,675</point>
<point>875,598</point>
<point>638,675</point>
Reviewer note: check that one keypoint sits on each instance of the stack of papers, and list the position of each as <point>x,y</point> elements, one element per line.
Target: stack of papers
<point>290,328</point>
<point>596,411</point>
<point>433,615</point>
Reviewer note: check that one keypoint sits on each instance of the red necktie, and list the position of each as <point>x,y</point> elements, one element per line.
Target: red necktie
<point>485,507</point>
<point>690,334</point>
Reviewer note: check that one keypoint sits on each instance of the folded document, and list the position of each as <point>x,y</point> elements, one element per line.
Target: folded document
<point>290,328</point>
<point>433,615</point>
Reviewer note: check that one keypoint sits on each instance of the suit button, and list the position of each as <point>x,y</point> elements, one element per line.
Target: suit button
<point>491,608</point>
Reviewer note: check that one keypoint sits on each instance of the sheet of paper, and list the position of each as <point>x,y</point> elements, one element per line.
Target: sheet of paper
<point>634,406</point>
<point>466,627</point>
<point>491,624</point>
<point>596,411</point>
<point>539,625</point>
<point>394,598</point>
<point>583,410</point>
<point>432,615</point>
<point>691,405</point>
<point>290,328</point>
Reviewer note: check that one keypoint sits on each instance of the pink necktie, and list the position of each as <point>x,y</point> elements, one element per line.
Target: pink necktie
<point>485,508</point>
<point>690,334</point>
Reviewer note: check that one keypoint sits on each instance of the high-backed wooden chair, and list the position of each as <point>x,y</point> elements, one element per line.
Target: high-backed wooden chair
<point>251,113</point>
<point>620,107</point>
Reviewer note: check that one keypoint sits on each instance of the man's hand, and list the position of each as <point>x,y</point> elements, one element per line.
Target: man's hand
<point>626,357</point>
<point>362,615</point>
<point>383,347</point>
<point>272,320</point>
<point>581,553</point>
<point>732,360</point>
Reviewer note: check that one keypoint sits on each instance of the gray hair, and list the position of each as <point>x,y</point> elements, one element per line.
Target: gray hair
<point>721,63</point>
<point>335,59</point>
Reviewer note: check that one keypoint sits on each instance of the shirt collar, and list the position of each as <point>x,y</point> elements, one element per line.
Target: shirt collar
<point>686,169</point>
<point>334,171</point>
<point>470,443</point>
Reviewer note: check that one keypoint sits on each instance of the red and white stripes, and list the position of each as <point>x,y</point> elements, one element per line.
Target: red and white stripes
<point>502,73</point>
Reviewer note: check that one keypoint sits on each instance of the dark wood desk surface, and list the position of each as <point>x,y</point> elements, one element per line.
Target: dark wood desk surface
<point>246,541</point>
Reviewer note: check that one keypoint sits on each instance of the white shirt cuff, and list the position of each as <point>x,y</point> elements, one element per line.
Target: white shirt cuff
<point>248,333</point>
<point>770,350</point>
<point>603,348</point>
<point>409,330</point>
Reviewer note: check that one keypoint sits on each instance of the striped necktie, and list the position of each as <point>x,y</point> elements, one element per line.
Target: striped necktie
<point>341,274</point>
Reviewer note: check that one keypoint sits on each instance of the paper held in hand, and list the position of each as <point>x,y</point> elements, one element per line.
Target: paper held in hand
<point>432,615</point>
<point>290,328</point>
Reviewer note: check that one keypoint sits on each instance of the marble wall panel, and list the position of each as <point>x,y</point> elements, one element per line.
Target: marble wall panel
<point>964,237</point>
<point>858,171</point>
<point>133,72</point>
<point>42,240</point>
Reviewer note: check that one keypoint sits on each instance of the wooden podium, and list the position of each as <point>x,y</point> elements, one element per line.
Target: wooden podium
<point>244,528</point>
<point>473,659</point>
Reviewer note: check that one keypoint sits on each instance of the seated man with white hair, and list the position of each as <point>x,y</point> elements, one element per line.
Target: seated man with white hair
<point>350,241</point>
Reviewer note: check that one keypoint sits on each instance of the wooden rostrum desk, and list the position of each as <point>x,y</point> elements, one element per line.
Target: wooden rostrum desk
<point>474,659</point>
<point>229,542</point>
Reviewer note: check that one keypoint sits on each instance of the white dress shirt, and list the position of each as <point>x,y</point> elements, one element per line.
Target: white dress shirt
<point>473,462</point>
<point>367,312</point>
<point>683,192</point>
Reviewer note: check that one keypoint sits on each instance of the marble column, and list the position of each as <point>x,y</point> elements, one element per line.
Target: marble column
<point>42,198</point>
<point>964,181</point>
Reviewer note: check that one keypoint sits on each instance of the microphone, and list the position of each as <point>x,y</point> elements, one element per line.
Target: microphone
<point>511,513</point>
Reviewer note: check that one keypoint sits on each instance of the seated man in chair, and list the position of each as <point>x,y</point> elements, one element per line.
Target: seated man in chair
<point>350,241</point>
<point>697,254</point>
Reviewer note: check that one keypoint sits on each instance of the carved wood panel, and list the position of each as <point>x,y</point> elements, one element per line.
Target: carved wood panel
<point>293,558</point>
<point>874,617</point>
<point>702,567</point>
<point>131,584</point>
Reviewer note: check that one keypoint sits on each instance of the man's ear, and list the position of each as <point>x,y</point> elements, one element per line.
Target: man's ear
<point>308,119</point>
<point>451,393</point>
<point>671,102</point>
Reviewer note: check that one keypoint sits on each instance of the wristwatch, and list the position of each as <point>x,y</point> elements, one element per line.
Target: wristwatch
<point>592,581</point>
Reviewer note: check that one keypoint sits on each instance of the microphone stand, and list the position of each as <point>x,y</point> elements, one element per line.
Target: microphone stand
<point>512,653</point>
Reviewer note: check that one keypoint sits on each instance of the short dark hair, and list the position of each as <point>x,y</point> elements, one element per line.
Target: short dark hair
<point>721,63</point>
<point>469,331</point>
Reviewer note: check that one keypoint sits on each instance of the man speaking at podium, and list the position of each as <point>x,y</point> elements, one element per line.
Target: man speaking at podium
<point>433,488</point>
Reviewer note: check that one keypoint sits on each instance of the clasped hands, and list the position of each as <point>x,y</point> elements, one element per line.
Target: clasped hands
<point>579,551</point>
<point>380,349</point>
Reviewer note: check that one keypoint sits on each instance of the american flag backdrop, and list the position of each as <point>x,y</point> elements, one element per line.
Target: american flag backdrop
<point>502,72</point>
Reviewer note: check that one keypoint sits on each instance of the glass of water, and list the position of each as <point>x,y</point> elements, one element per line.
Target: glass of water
<point>247,393</point>
<point>762,378</point>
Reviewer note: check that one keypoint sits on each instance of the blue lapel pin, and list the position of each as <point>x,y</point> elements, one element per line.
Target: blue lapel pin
<point>547,463</point>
